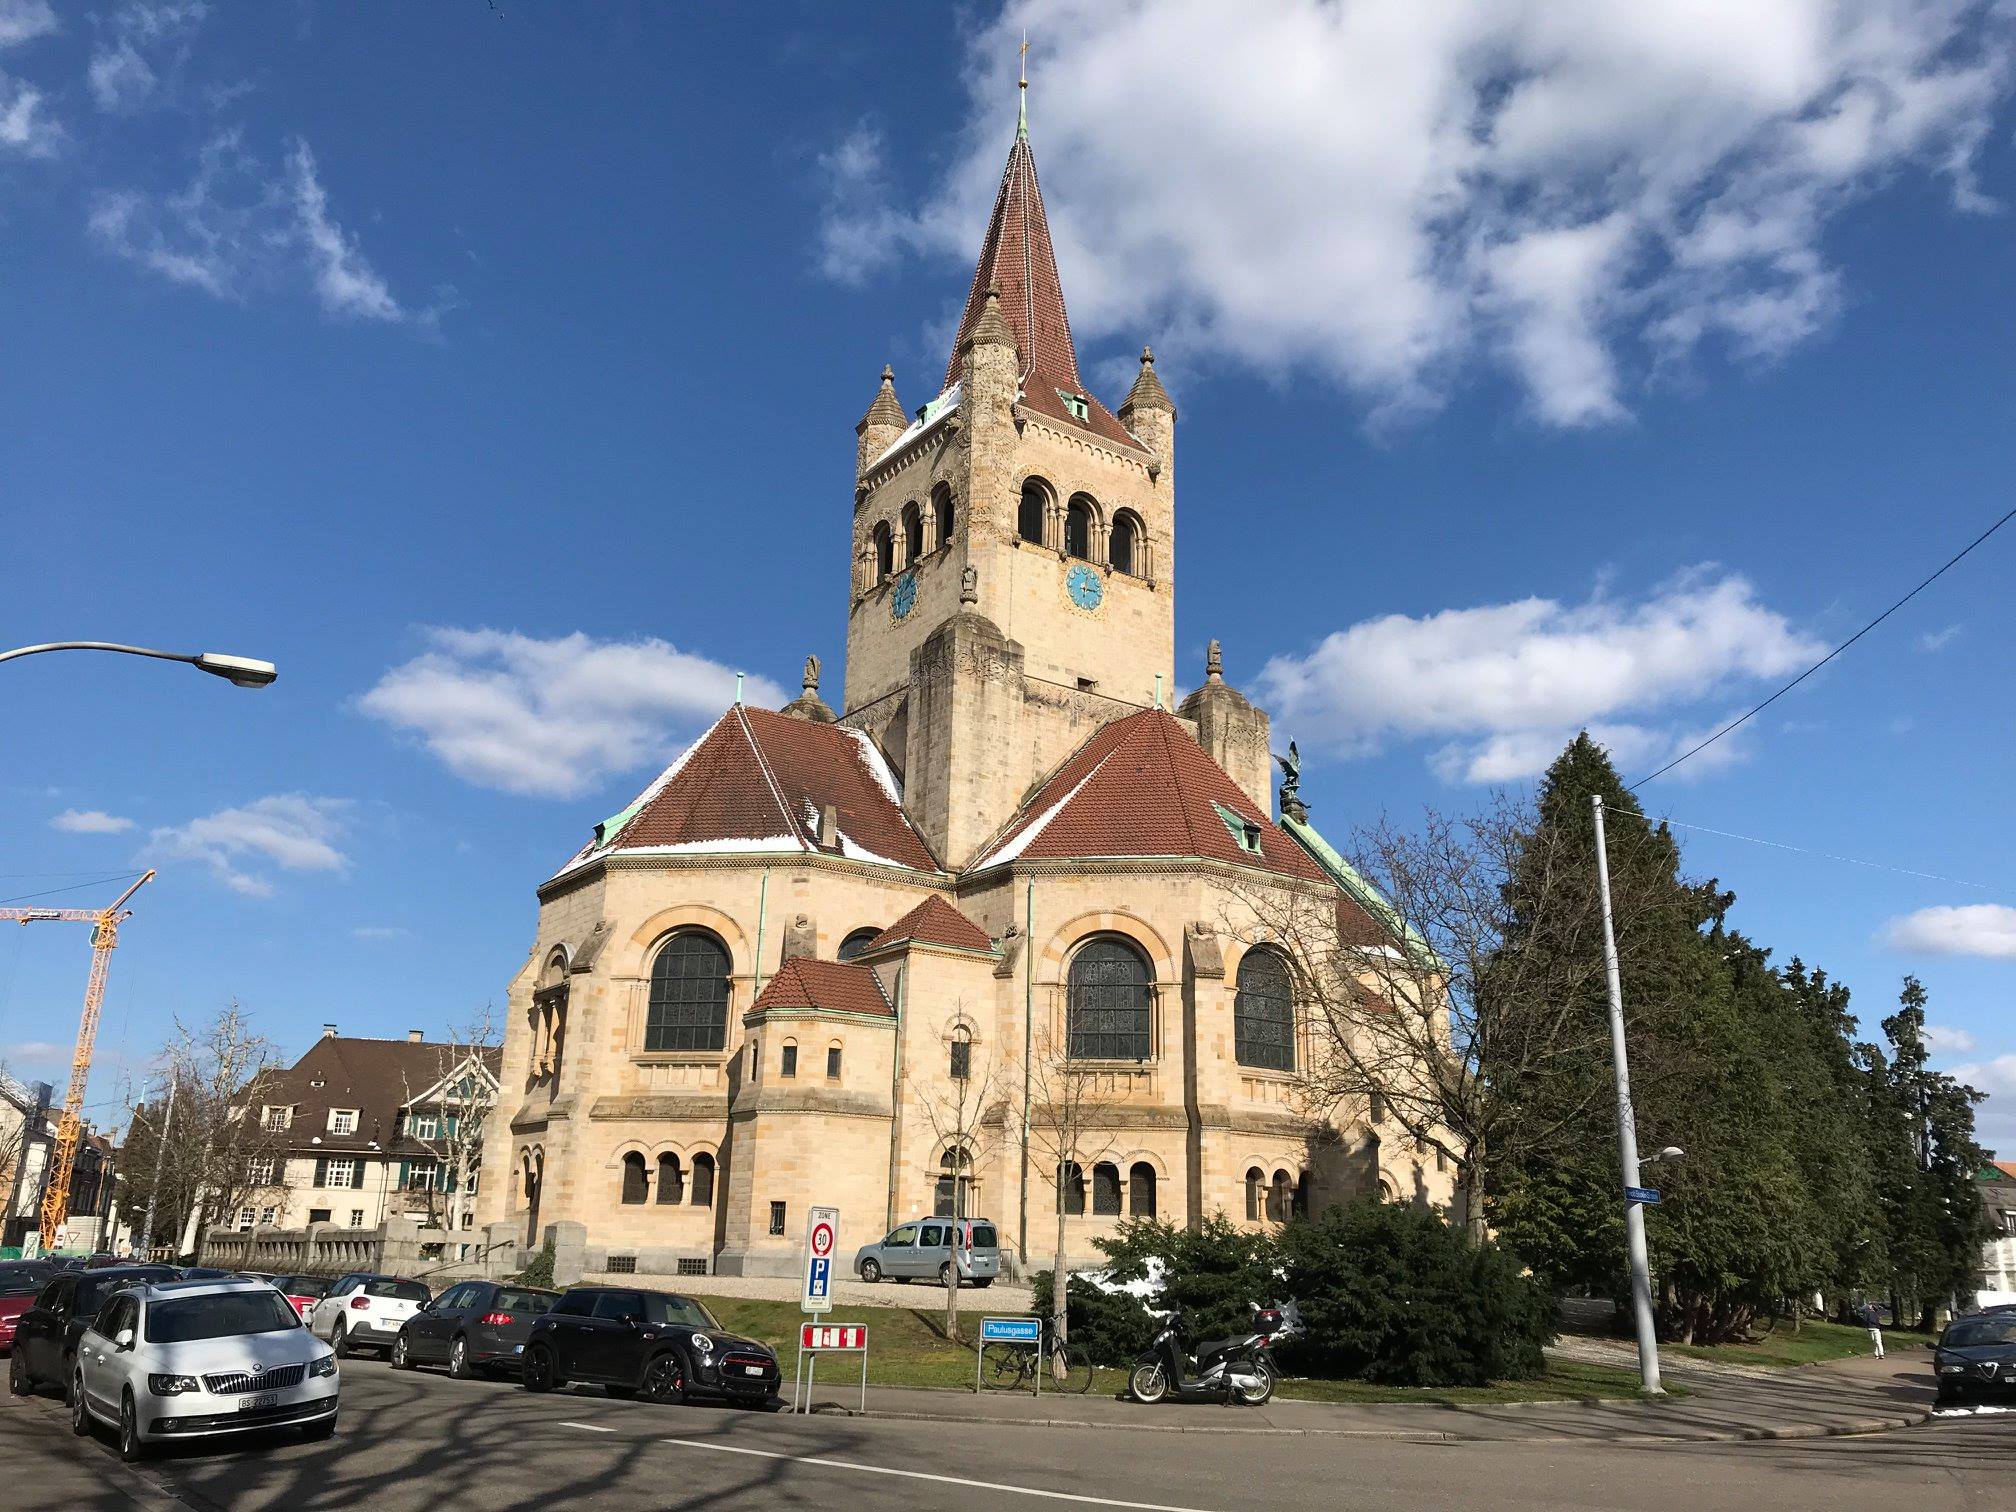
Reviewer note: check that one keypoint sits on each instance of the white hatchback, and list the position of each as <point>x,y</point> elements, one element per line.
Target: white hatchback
<point>190,1359</point>
<point>366,1311</point>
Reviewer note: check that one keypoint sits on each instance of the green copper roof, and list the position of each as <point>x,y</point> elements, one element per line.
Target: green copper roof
<point>1346,876</point>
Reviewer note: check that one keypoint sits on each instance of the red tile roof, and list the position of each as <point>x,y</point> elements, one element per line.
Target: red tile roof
<point>2006,1167</point>
<point>758,781</point>
<point>1017,258</point>
<point>935,922</point>
<point>1142,786</point>
<point>840,986</point>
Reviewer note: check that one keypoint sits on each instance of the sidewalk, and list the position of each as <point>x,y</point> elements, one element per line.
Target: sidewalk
<point>1817,1401</point>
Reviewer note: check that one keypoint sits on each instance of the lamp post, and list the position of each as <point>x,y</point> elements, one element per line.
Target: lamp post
<point>240,671</point>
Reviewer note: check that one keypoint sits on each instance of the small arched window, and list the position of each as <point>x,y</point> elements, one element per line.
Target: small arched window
<point>635,1182</point>
<point>1301,1207</point>
<point>671,1181</point>
<point>1029,517</point>
<point>1280,1197</point>
<point>953,1198</point>
<point>703,1180</point>
<point>884,545</point>
<point>833,1061</point>
<point>1078,527</point>
<point>1106,1189</point>
<point>857,942</point>
<point>1071,1188</point>
<point>962,1053</point>
<point>787,1067</point>
<point>1125,548</point>
<point>941,516</point>
<point>913,533</point>
<point>1263,1013</point>
<point>1141,1190</point>
<point>688,1008</point>
<point>1110,1016</point>
<point>1256,1185</point>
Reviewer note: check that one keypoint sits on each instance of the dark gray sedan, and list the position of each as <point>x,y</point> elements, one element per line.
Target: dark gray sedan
<point>474,1327</point>
<point>1976,1357</point>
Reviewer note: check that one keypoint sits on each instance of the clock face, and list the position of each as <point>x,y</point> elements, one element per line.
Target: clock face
<point>1083,584</point>
<point>904,599</point>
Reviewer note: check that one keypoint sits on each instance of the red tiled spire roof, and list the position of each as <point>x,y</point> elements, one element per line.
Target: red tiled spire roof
<point>1142,786</point>
<point>840,986</point>
<point>935,922</point>
<point>1016,257</point>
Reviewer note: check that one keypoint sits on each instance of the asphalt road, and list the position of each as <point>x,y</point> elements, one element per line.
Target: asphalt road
<point>420,1441</point>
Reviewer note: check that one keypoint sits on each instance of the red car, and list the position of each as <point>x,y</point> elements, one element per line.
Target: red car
<point>20,1280</point>
<point>303,1291</point>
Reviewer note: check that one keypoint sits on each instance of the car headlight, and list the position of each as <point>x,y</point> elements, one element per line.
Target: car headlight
<point>172,1385</point>
<point>326,1366</point>
<point>703,1343</point>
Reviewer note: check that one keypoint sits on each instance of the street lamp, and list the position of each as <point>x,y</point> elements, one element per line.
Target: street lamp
<point>239,671</point>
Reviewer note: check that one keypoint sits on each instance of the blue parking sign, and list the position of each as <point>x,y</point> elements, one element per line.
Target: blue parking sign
<point>819,1283</point>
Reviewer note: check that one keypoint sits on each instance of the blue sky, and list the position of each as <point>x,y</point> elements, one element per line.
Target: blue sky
<point>495,374</point>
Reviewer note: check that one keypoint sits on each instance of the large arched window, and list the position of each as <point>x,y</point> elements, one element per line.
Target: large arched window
<point>941,516</point>
<point>1125,549</point>
<point>885,551</point>
<point>671,1180</point>
<point>962,1053</point>
<point>689,995</point>
<point>1078,518</point>
<point>635,1182</point>
<point>913,533</point>
<point>1106,1189</point>
<point>1029,517</point>
<point>1141,1190</point>
<point>857,942</point>
<point>703,1180</point>
<point>1110,1016</point>
<point>1263,1013</point>
<point>954,1195</point>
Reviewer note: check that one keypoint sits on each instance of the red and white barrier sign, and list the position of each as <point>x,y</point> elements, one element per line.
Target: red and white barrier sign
<point>833,1337</point>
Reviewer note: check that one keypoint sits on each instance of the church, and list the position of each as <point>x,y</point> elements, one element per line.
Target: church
<point>978,939</point>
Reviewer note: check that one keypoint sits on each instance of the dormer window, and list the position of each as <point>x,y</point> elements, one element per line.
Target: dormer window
<point>1075,403</point>
<point>1246,832</point>
<point>342,1120</point>
<point>275,1118</point>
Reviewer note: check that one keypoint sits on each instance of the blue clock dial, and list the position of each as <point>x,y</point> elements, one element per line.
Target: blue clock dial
<point>1084,586</point>
<point>904,599</point>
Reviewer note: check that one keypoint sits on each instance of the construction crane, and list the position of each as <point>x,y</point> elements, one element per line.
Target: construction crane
<point>70,1131</point>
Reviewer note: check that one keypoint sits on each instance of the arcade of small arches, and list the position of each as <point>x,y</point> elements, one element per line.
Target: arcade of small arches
<point>918,531</point>
<point>667,1181</point>
<point>1078,527</point>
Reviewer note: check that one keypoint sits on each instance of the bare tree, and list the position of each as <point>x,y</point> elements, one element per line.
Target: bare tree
<point>446,1116</point>
<point>1416,1006</point>
<point>1070,1129</point>
<point>967,1111</point>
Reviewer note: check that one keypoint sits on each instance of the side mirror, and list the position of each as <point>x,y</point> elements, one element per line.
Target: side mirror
<point>123,1338</point>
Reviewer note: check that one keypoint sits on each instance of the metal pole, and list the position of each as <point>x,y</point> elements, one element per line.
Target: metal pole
<point>1627,1133</point>
<point>1028,1050</point>
<point>160,1154</point>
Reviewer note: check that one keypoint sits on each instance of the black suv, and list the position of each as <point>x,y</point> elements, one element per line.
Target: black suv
<point>662,1346</point>
<point>45,1340</point>
<point>1976,1356</point>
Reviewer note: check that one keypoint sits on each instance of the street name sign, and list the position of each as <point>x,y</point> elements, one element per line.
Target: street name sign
<point>1647,1195</point>
<point>1010,1330</point>
<point>822,1239</point>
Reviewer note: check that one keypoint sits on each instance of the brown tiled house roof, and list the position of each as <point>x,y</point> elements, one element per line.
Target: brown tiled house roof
<point>374,1076</point>
<point>838,986</point>
<point>1017,258</point>
<point>1142,786</point>
<point>934,922</point>
<point>759,780</point>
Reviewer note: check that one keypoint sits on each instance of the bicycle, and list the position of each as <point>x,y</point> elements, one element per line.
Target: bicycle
<point>1008,1367</point>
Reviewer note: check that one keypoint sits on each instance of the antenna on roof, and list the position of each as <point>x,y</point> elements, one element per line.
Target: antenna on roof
<point>1022,115</point>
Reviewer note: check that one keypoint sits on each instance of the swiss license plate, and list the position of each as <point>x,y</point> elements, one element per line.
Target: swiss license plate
<point>752,1370</point>
<point>254,1403</point>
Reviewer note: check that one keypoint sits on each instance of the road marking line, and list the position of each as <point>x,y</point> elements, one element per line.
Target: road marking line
<point>591,1427</point>
<point>943,1480</point>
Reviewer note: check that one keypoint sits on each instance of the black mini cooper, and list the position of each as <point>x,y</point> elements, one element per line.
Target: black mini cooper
<point>1976,1356</point>
<point>658,1345</point>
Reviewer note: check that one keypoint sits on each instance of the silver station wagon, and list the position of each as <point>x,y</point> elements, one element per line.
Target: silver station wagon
<point>922,1251</point>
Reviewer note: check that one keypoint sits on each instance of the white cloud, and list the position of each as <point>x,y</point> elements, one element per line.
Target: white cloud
<point>1994,1120</point>
<point>1579,192</point>
<point>1974,929</point>
<point>34,1052</point>
<point>240,226</point>
<point>1507,685</point>
<point>1947,1039</point>
<point>551,717</point>
<point>1939,640</point>
<point>24,126</point>
<point>121,75</point>
<point>90,822</point>
<point>25,20</point>
<point>290,831</point>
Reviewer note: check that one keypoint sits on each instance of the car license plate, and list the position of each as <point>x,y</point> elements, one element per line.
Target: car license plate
<point>254,1403</point>
<point>752,1370</point>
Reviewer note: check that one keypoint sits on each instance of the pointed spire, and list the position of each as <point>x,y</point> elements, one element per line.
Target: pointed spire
<point>1016,257</point>
<point>886,408</point>
<point>1147,392</point>
<point>1022,112</point>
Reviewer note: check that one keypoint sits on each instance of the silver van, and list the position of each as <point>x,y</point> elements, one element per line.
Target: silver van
<point>922,1251</point>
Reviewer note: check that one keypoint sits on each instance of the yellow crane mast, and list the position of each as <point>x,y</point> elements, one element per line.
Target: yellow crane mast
<point>56,1192</point>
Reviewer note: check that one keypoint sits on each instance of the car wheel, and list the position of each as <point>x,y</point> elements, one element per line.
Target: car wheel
<point>80,1415</point>
<point>458,1359</point>
<point>402,1356</point>
<point>870,1272</point>
<point>538,1374</point>
<point>665,1381</point>
<point>945,1275</point>
<point>340,1342</point>
<point>132,1447</point>
<point>18,1380</point>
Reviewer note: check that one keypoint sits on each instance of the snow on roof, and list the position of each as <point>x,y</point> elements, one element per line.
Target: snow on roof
<point>935,411</point>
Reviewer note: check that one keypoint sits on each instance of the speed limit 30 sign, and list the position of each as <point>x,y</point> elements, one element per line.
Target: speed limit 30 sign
<point>822,1237</point>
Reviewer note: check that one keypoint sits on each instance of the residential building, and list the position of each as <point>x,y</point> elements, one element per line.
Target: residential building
<point>1998,1252</point>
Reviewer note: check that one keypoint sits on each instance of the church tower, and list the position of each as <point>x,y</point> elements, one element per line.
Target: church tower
<point>1014,547</point>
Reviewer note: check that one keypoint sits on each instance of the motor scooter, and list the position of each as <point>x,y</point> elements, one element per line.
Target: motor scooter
<point>1237,1369</point>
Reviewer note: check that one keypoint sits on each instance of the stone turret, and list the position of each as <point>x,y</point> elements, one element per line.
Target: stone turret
<point>990,376</point>
<point>883,423</point>
<point>1150,414</point>
<point>1236,734</point>
<point>808,704</point>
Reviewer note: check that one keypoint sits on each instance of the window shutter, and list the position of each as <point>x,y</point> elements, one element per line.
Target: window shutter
<point>405,1169</point>
<point>321,1170</point>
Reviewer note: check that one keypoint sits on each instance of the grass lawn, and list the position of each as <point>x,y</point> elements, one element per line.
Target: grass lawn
<point>1815,1341</point>
<point>907,1348</point>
